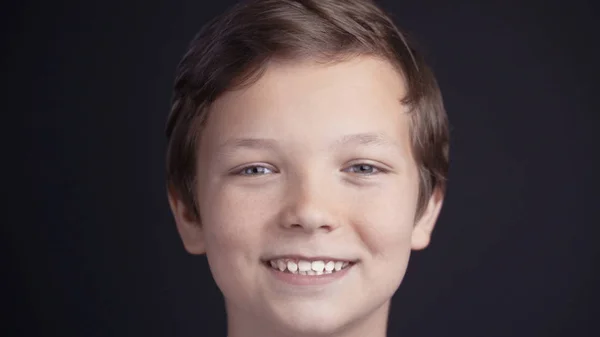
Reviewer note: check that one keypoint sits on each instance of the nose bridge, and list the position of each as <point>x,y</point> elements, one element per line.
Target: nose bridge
<point>310,204</point>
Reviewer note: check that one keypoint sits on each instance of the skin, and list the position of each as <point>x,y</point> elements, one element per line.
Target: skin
<point>311,160</point>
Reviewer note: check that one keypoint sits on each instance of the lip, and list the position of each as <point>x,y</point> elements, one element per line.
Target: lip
<point>307,258</point>
<point>307,280</point>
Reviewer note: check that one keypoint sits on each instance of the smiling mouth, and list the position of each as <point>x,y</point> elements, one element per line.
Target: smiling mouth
<point>306,267</point>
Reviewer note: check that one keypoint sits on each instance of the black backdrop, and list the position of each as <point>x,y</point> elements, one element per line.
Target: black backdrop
<point>94,251</point>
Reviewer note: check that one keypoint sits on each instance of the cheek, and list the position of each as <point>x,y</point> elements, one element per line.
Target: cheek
<point>233,221</point>
<point>389,216</point>
<point>386,220</point>
<point>234,224</point>
<point>384,223</point>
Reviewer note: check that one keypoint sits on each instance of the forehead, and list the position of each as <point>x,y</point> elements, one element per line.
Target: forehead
<point>310,102</point>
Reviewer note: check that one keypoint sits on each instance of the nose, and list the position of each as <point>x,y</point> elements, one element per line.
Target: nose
<point>310,206</point>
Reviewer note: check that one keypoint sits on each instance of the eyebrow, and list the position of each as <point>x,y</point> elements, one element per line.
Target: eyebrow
<point>249,143</point>
<point>358,139</point>
<point>369,138</point>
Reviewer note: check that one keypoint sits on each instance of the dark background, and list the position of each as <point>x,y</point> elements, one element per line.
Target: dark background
<point>92,248</point>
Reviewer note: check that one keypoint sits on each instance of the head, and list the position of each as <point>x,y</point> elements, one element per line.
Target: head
<point>305,131</point>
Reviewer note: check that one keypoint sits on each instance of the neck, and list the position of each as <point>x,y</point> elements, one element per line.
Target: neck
<point>245,324</point>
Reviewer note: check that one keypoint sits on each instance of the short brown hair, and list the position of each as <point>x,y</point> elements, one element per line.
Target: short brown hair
<point>233,50</point>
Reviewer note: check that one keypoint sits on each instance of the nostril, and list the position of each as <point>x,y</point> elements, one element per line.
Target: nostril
<point>310,227</point>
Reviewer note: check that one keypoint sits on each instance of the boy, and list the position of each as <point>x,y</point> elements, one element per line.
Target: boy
<point>307,157</point>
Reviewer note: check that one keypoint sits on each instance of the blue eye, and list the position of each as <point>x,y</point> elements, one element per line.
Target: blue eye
<point>364,169</point>
<point>255,170</point>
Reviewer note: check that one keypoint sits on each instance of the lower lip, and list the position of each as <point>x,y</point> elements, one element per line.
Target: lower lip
<point>308,280</point>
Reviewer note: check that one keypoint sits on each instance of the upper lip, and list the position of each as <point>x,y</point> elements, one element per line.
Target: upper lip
<point>309,258</point>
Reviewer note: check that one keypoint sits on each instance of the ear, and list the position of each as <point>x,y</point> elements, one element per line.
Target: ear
<point>422,230</point>
<point>188,225</point>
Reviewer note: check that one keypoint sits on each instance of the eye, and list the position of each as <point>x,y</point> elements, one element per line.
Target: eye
<point>254,170</point>
<point>364,169</point>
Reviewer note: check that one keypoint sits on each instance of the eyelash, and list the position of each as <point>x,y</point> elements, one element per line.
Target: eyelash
<point>243,169</point>
<point>376,169</point>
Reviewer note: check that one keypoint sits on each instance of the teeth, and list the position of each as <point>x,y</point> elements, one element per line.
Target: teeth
<point>303,267</point>
<point>318,266</point>
<point>292,266</point>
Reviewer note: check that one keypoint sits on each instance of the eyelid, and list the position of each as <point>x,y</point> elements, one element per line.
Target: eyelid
<point>381,168</point>
<point>240,169</point>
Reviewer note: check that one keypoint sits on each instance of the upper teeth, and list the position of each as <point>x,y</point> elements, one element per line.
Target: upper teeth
<point>304,267</point>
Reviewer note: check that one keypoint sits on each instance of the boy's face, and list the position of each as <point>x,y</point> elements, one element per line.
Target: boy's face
<point>311,162</point>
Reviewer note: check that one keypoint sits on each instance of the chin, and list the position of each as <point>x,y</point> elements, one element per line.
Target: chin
<point>312,319</point>
<point>312,327</point>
